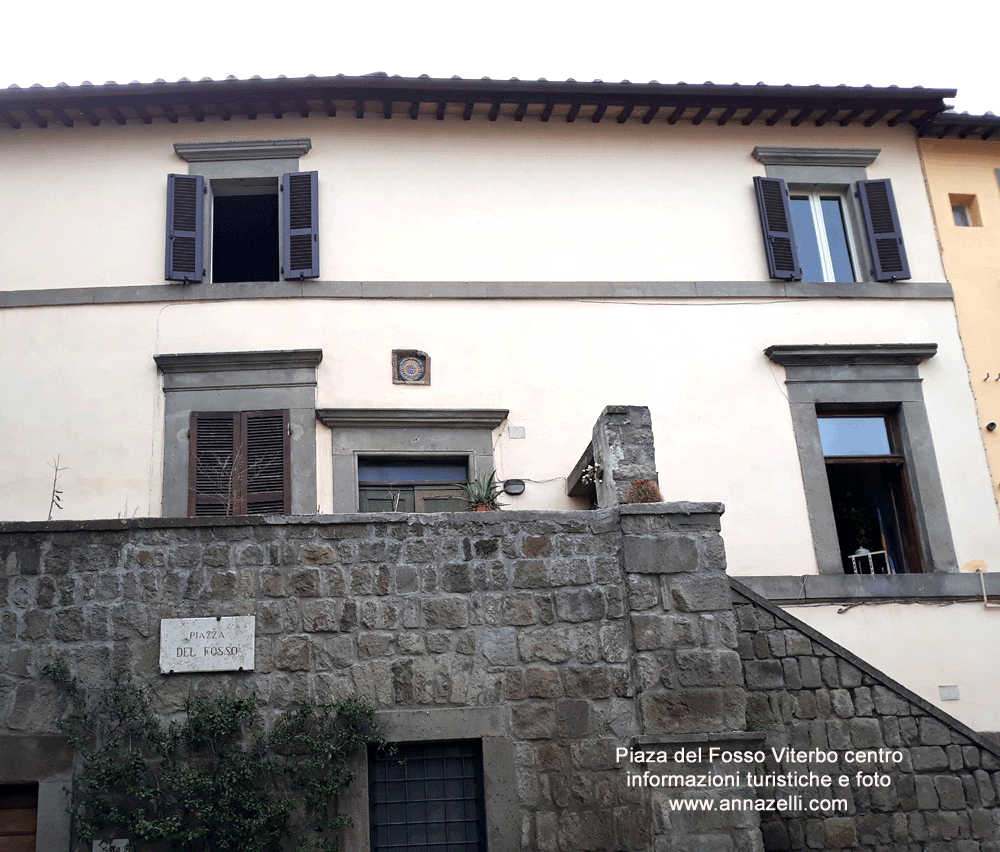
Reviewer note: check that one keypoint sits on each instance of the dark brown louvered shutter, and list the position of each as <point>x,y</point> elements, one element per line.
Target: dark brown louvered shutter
<point>185,228</point>
<point>776,225</point>
<point>300,225</point>
<point>213,470</point>
<point>884,234</point>
<point>268,475</point>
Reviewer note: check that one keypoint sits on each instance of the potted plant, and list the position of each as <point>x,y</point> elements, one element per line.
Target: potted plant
<point>483,493</point>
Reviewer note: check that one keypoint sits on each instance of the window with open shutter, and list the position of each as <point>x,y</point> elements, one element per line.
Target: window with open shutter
<point>300,232</point>
<point>884,234</point>
<point>185,228</point>
<point>776,224</point>
<point>239,463</point>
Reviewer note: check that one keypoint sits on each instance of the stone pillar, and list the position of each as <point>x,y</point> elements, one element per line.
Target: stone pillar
<point>623,450</point>
<point>688,676</point>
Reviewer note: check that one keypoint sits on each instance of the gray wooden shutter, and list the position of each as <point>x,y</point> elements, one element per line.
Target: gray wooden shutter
<point>776,225</point>
<point>884,234</point>
<point>300,225</point>
<point>185,228</point>
<point>212,469</point>
<point>267,471</point>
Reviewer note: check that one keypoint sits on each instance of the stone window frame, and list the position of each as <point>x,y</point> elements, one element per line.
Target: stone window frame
<point>369,432</point>
<point>833,170</point>
<point>239,381</point>
<point>244,160</point>
<point>864,376</point>
<point>486,724</point>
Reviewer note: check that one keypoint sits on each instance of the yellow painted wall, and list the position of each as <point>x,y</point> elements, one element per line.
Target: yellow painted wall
<point>972,262</point>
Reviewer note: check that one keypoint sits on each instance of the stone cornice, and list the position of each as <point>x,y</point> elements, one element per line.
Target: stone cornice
<point>838,157</point>
<point>214,362</point>
<point>823,355</point>
<point>268,149</point>
<point>461,418</point>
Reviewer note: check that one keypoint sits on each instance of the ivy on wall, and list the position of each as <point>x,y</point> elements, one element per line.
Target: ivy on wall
<point>219,780</point>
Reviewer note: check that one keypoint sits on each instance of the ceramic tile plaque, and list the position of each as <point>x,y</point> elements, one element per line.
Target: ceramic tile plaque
<point>206,644</point>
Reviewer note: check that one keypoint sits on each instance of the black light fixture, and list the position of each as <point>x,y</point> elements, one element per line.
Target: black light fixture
<point>990,427</point>
<point>513,487</point>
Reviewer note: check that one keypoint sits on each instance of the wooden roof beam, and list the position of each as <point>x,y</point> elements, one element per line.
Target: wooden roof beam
<point>574,111</point>
<point>547,111</point>
<point>751,116</point>
<point>776,116</point>
<point>650,114</point>
<point>900,117</point>
<point>36,117</point>
<point>494,111</point>
<point>467,112</point>
<point>702,114</point>
<point>599,113</point>
<point>626,111</point>
<point>878,115</point>
<point>826,116</point>
<point>441,107</point>
<point>802,116</point>
<point>727,114</point>
<point>9,119</point>
<point>676,114</point>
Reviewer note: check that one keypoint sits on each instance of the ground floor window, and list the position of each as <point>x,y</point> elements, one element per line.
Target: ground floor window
<point>401,484</point>
<point>428,797</point>
<point>870,492</point>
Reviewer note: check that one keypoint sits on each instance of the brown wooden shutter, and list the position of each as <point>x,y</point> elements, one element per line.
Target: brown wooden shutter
<point>185,228</point>
<point>268,479</point>
<point>300,225</point>
<point>239,463</point>
<point>776,225</point>
<point>212,468</point>
<point>885,237</point>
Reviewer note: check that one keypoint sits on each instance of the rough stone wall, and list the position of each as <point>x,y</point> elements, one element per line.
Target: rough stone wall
<point>807,692</point>
<point>586,628</point>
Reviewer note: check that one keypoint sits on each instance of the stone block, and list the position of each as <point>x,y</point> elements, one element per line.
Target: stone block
<point>583,605</point>
<point>693,710</point>
<point>950,792</point>
<point>643,591</point>
<point>928,759</point>
<point>708,667</point>
<point>866,733</point>
<point>697,593</point>
<point>659,555</point>
<point>531,574</point>
<point>587,831</point>
<point>587,682</point>
<point>292,653</point>
<point>764,674</point>
<point>500,646</point>
<point>551,645</point>
<point>322,616</point>
<point>933,732</point>
<point>534,720</point>
<point>446,612</point>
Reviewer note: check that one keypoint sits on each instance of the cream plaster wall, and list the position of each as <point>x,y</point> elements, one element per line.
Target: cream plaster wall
<point>439,201</point>
<point>924,646</point>
<point>87,388</point>
<point>972,260</point>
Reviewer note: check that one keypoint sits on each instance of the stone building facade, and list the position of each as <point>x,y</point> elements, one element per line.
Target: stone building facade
<point>568,645</point>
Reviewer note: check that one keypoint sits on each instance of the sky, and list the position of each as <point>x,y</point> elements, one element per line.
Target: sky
<point>873,41</point>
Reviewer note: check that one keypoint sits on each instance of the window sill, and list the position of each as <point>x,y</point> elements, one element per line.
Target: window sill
<point>857,588</point>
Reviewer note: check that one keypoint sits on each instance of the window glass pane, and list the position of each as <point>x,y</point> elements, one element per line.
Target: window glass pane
<point>854,436</point>
<point>836,237</point>
<point>805,238</point>
<point>411,470</point>
<point>961,214</point>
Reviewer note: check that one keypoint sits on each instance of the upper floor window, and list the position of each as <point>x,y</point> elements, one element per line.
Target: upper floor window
<point>815,204</point>
<point>821,234</point>
<point>243,213</point>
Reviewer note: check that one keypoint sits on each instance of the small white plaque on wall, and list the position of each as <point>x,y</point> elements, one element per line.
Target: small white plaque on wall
<point>206,644</point>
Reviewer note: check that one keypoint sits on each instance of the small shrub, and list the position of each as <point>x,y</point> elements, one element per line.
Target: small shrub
<point>643,491</point>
